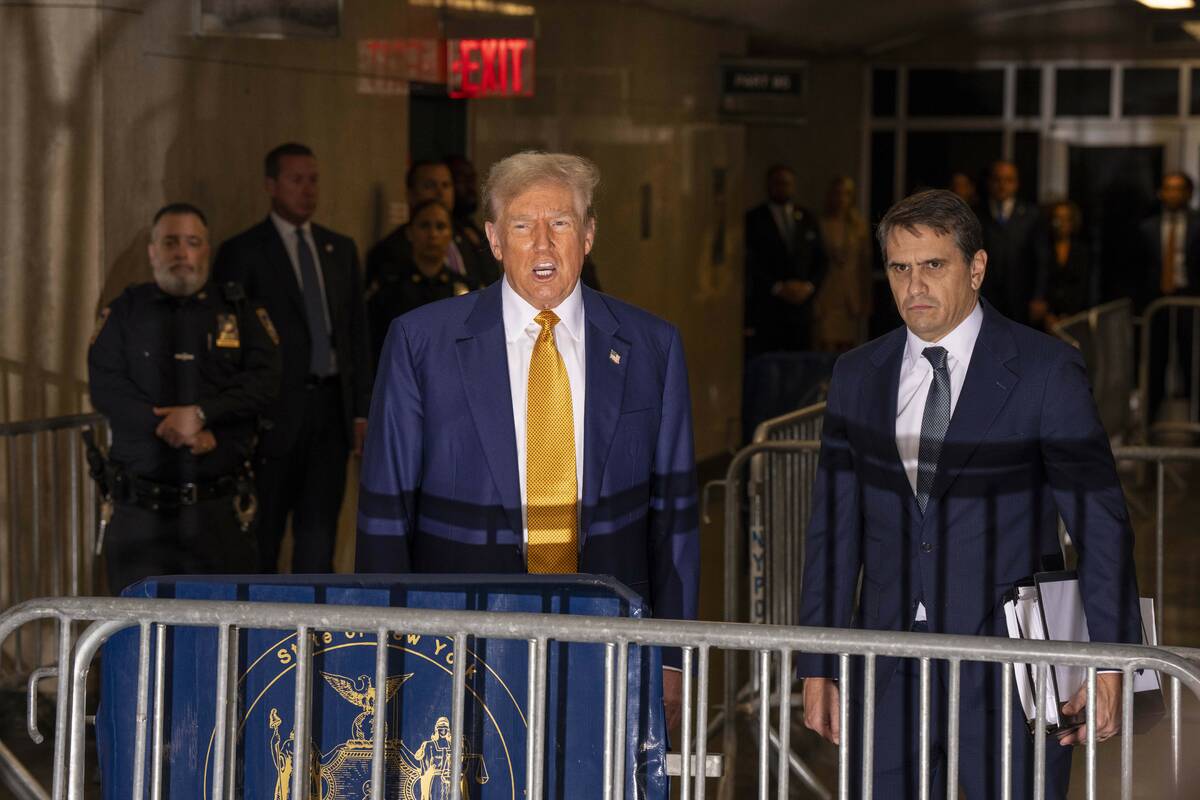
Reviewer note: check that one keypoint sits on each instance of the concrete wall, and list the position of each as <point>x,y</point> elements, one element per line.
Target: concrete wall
<point>636,90</point>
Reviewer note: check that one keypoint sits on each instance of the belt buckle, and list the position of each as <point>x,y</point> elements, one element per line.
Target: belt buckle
<point>187,494</point>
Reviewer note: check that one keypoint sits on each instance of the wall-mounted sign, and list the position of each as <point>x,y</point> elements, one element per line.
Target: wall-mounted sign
<point>489,67</point>
<point>775,90</point>
<point>268,19</point>
<point>387,66</point>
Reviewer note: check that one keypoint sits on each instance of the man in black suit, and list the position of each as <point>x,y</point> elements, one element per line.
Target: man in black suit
<point>467,232</point>
<point>307,277</point>
<point>785,262</point>
<point>391,257</point>
<point>1010,234</point>
<point>1170,258</point>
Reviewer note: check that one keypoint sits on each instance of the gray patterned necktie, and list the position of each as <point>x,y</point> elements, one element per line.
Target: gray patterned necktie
<point>320,361</point>
<point>933,424</point>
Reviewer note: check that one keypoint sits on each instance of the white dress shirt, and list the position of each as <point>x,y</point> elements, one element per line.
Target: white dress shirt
<point>916,377</point>
<point>784,220</point>
<point>1178,220</point>
<point>1002,211</point>
<point>287,232</point>
<point>520,334</point>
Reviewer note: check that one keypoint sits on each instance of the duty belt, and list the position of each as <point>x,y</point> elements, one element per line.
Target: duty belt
<point>157,496</point>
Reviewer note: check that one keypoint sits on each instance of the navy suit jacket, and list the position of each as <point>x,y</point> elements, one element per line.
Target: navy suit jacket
<point>258,260</point>
<point>1025,444</point>
<point>440,490</point>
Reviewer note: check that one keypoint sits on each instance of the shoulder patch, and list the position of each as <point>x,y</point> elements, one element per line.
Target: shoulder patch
<point>100,320</point>
<point>265,319</point>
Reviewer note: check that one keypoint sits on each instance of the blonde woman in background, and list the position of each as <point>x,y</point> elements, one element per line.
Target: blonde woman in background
<point>844,302</point>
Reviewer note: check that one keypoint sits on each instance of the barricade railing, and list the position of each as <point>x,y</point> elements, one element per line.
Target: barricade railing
<point>1177,320</point>
<point>1104,335</point>
<point>772,649</point>
<point>780,494</point>
<point>48,525</point>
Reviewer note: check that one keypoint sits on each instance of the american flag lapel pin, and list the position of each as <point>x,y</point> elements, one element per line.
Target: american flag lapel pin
<point>614,357</point>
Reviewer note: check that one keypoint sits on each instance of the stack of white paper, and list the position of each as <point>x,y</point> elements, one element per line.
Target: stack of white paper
<point>1052,609</point>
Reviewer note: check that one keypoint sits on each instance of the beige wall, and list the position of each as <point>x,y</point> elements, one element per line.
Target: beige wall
<point>827,143</point>
<point>636,90</point>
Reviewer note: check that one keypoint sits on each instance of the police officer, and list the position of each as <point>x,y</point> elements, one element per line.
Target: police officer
<point>424,277</point>
<point>182,369</point>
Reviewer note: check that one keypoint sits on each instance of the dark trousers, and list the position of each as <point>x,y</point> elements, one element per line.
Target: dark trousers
<point>898,745</point>
<point>203,539</point>
<point>1160,348</point>
<point>308,483</point>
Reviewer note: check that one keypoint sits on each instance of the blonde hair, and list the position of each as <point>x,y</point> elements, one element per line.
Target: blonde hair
<point>510,176</point>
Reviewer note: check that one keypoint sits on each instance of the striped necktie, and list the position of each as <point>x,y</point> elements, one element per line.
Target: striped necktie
<point>551,485</point>
<point>933,424</point>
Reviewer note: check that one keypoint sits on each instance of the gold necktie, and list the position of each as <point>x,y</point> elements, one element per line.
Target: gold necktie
<point>551,486</point>
<point>1167,276</point>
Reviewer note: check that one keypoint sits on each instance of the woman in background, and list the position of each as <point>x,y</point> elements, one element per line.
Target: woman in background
<point>843,303</point>
<point>1066,276</point>
<point>426,279</point>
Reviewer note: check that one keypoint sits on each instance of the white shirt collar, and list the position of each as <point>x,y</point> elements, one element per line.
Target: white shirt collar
<point>518,313</point>
<point>959,343</point>
<point>287,229</point>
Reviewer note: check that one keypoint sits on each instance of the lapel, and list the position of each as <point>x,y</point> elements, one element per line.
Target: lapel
<point>605,382</point>
<point>879,393</point>
<point>281,263</point>
<point>483,366</point>
<point>988,384</point>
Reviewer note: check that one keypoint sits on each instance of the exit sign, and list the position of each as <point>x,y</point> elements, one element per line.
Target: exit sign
<point>489,67</point>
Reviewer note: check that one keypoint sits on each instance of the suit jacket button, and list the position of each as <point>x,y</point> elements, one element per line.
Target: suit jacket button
<point>926,547</point>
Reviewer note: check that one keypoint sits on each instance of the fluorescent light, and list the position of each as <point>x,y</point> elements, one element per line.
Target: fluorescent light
<point>1168,5</point>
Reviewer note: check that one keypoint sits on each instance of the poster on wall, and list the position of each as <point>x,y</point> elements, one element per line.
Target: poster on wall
<point>271,19</point>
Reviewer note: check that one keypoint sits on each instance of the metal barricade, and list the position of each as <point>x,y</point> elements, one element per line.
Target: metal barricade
<point>779,494</point>
<point>50,510</point>
<point>51,507</point>
<point>780,500</point>
<point>1178,320</point>
<point>771,648</point>
<point>1104,335</point>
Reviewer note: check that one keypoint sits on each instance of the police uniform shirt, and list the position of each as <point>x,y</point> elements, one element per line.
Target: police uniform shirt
<point>397,293</point>
<point>212,349</point>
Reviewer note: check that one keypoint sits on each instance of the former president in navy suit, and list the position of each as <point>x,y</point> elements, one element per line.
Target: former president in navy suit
<point>446,482</point>
<point>950,447</point>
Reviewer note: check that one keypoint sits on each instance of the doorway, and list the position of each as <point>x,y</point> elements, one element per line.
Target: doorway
<point>1115,188</point>
<point>437,124</point>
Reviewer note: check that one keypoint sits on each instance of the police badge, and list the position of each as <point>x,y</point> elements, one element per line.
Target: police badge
<point>227,331</point>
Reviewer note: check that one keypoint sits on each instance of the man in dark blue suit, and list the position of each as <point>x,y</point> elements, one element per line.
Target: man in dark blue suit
<point>307,277</point>
<point>535,425</point>
<point>1011,233</point>
<point>1169,245</point>
<point>950,447</point>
